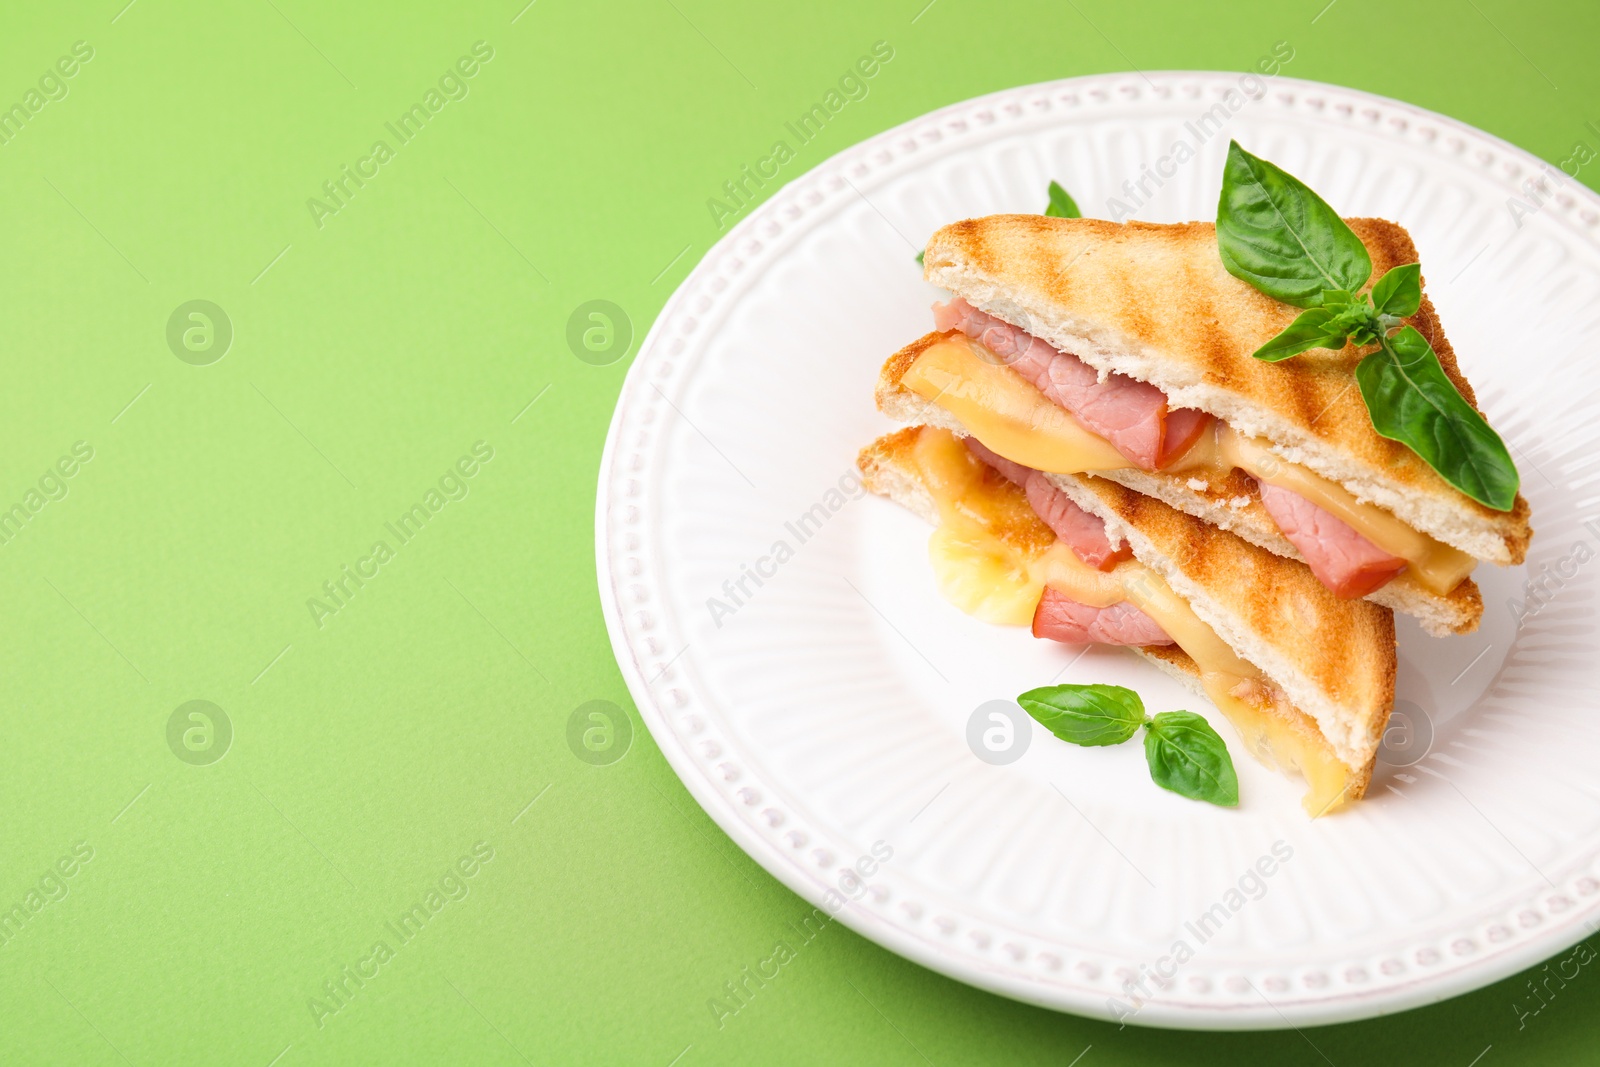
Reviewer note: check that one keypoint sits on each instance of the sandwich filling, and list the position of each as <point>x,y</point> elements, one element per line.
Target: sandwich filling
<point>1048,410</point>
<point>1011,548</point>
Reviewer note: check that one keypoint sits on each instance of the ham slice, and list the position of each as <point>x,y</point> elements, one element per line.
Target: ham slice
<point>1182,429</point>
<point>1134,417</point>
<point>1130,414</point>
<point>1059,618</point>
<point>1343,560</point>
<point>1083,533</point>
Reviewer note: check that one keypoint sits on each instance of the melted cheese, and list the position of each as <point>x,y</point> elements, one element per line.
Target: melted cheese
<point>993,557</point>
<point>1015,419</point>
<point>1019,422</point>
<point>1437,566</point>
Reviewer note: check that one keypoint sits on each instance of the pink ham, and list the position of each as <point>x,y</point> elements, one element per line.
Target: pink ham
<point>1059,618</point>
<point>1083,533</point>
<point>1182,429</point>
<point>1130,414</point>
<point>1343,560</point>
<point>1134,417</point>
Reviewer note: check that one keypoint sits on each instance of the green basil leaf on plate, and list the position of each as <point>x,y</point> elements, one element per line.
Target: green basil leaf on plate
<point>1276,234</point>
<point>1412,401</point>
<point>1086,714</point>
<point>1186,756</point>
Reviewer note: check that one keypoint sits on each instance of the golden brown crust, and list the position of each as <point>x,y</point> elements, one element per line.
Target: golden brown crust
<point>890,449</point>
<point>895,367</point>
<point>877,461</point>
<point>1163,288</point>
<point>1346,648</point>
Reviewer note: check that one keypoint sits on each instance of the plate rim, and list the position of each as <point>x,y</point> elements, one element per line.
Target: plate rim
<point>1345,1006</point>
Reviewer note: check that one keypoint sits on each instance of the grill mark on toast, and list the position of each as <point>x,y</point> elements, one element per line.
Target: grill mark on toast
<point>1335,643</point>
<point>1023,254</point>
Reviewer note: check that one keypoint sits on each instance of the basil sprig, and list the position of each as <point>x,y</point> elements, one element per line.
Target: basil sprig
<point>1283,239</point>
<point>1061,206</point>
<point>1184,753</point>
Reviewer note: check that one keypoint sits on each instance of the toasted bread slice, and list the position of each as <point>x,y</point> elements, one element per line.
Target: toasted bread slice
<point>1153,302</point>
<point>888,469</point>
<point>1333,659</point>
<point>1233,504</point>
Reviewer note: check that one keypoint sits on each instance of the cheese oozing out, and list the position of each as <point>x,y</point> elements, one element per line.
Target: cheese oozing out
<point>1017,421</point>
<point>992,557</point>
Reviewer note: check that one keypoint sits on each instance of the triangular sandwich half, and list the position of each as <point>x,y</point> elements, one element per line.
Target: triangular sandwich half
<point>1307,677</point>
<point>1137,334</point>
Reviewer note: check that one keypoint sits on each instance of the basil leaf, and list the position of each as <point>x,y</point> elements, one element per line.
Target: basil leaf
<point>1282,238</point>
<point>1186,756</point>
<point>1412,401</point>
<point>1312,329</point>
<point>919,257</point>
<point>1086,714</point>
<point>1399,292</point>
<point>1062,206</point>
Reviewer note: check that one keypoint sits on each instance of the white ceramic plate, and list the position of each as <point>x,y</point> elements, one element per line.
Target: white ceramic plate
<point>826,708</point>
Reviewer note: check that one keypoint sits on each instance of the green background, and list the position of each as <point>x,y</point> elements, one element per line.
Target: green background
<point>370,753</point>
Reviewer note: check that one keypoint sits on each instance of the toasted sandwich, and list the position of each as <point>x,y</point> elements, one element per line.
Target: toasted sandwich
<point>1306,677</point>
<point>1076,346</point>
